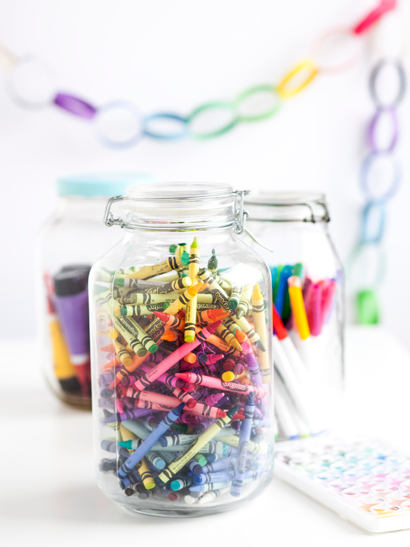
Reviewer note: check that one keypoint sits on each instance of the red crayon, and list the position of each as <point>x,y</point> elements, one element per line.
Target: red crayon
<point>173,321</point>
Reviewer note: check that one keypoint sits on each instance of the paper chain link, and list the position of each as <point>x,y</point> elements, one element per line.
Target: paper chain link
<point>294,81</point>
<point>373,219</point>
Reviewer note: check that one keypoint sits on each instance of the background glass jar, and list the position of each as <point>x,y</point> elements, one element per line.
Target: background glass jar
<point>210,350</point>
<point>68,245</point>
<point>308,316</point>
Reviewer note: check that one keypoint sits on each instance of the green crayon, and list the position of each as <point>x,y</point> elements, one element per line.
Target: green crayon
<point>235,296</point>
<point>195,447</point>
<point>213,263</point>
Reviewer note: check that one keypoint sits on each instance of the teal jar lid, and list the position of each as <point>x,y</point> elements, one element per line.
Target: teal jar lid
<point>99,184</point>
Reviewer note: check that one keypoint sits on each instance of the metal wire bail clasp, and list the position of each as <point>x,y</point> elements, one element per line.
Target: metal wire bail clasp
<point>109,219</point>
<point>240,214</point>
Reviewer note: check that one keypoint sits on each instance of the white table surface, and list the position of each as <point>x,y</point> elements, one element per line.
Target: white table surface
<point>49,497</point>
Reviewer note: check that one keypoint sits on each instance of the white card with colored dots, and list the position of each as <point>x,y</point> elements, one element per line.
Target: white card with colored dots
<point>365,481</point>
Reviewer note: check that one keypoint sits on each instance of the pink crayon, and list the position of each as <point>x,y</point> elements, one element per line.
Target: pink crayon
<point>148,377</point>
<point>216,383</point>
<point>158,398</point>
<point>314,308</point>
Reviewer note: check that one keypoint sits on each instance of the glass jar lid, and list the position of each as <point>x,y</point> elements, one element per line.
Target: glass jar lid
<point>178,206</point>
<point>287,207</point>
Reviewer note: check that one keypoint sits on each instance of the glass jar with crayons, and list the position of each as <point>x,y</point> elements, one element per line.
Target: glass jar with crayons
<point>308,316</point>
<point>68,245</point>
<point>183,412</point>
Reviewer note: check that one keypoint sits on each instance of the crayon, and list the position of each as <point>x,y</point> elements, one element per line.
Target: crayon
<point>298,307</point>
<point>143,299</point>
<point>149,442</point>
<point>122,354</point>
<point>210,316</point>
<point>213,263</point>
<point>235,297</point>
<point>217,292</point>
<point>244,438</point>
<point>178,484</point>
<point>155,459</point>
<point>171,263</point>
<point>212,495</point>
<point>249,331</point>
<point>172,286</point>
<point>190,319</point>
<point>149,377</point>
<point>243,306</point>
<point>145,474</point>
<point>135,309</point>
<point>155,328</point>
<point>259,319</point>
<point>137,332</point>
<point>228,337</point>
<point>216,383</point>
<point>135,344</point>
<point>235,329</point>
<point>172,321</point>
<point>194,448</point>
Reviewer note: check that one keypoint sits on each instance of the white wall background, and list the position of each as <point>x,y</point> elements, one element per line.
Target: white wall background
<point>174,56</point>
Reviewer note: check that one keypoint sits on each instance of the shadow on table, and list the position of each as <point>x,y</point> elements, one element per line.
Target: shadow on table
<point>81,505</point>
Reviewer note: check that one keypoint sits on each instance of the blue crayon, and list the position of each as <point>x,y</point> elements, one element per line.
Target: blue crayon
<point>149,442</point>
<point>132,478</point>
<point>244,437</point>
<point>107,377</point>
<point>219,465</point>
<point>210,478</point>
<point>179,484</point>
<point>282,289</point>
<point>109,446</point>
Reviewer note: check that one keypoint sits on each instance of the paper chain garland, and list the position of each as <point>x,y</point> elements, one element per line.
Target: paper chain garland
<point>373,220</point>
<point>187,126</point>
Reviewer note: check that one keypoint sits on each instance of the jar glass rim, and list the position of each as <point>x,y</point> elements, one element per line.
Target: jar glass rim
<point>179,191</point>
<point>288,207</point>
<point>285,198</point>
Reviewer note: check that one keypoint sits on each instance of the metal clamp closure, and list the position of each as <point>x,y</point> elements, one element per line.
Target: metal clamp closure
<point>109,219</point>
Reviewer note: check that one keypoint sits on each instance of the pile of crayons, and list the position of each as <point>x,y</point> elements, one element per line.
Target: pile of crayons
<point>301,311</point>
<point>184,381</point>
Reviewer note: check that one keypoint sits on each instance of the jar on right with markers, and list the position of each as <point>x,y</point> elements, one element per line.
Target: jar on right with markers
<point>308,309</point>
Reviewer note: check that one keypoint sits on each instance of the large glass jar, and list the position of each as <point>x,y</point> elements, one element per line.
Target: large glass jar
<point>183,413</point>
<point>308,317</point>
<point>68,245</point>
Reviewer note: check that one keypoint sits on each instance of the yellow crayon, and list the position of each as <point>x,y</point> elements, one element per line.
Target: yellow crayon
<point>123,354</point>
<point>172,286</point>
<point>230,376</point>
<point>259,319</point>
<point>248,330</point>
<point>223,283</point>
<point>155,328</point>
<point>145,473</point>
<point>126,434</point>
<point>132,340</point>
<point>298,307</point>
<point>171,263</point>
<point>229,338</point>
<point>190,318</point>
<point>106,301</point>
